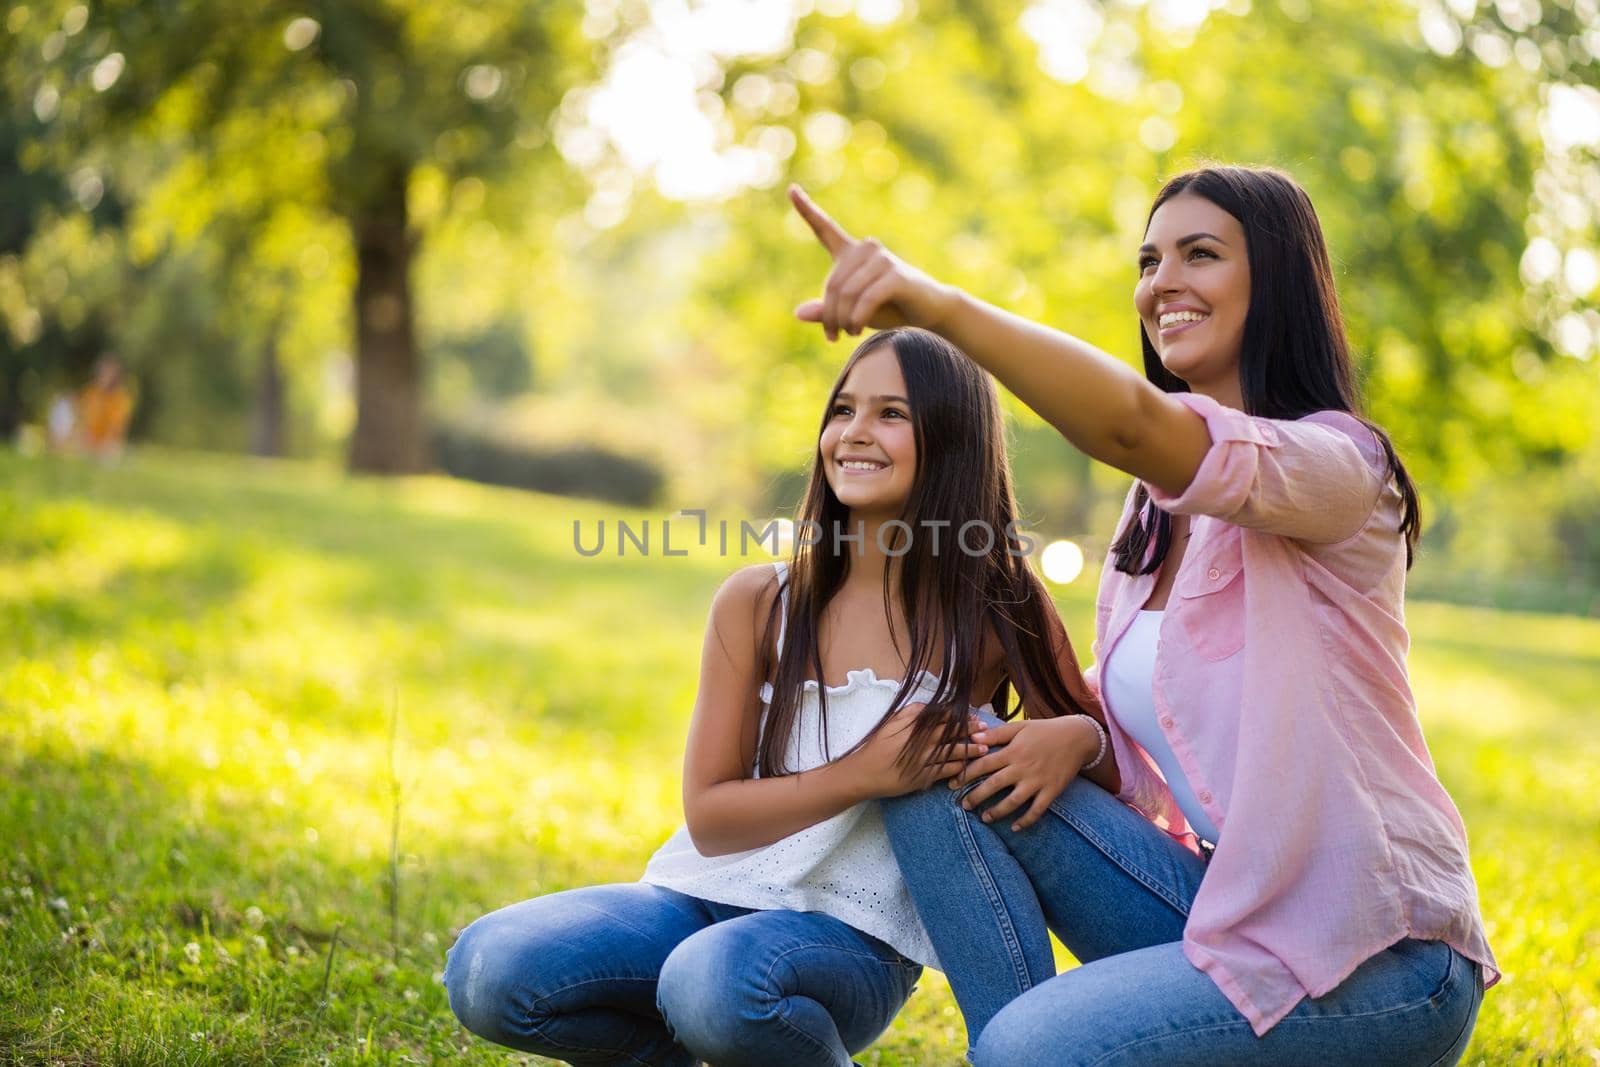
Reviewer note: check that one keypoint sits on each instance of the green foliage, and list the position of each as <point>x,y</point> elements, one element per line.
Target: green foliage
<point>479,455</point>
<point>203,657</point>
<point>945,139</point>
<point>236,144</point>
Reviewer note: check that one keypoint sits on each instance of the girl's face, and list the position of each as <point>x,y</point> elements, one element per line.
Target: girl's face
<point>868,448</point>
<point>1194,292</point>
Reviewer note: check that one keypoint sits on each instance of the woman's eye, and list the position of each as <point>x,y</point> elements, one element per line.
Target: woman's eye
<point>1202,252</point>
<point>1146,263</point>
<point>895,412</point>
<point>840,409</point>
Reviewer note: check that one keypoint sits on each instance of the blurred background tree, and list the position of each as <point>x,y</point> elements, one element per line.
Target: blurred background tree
<point>256,125</point>
<point>586,201</point>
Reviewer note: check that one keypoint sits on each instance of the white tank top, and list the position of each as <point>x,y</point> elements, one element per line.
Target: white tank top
<point>842,866</point>
<point>1127,681</point>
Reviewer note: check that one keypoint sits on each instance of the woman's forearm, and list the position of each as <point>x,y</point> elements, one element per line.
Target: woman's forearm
<point>752,812</point>
<point>1101,405</point>
<point>1105,775</point>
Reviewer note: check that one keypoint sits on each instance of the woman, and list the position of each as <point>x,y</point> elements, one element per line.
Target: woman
<point>1275,874</point>
<point>775,928</point>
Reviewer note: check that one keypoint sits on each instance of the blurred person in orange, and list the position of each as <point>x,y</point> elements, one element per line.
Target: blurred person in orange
<point>104,406</point>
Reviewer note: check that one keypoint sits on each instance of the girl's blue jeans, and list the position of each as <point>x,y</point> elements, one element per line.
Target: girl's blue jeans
<point>638,974</point>
<point>1116,890</point>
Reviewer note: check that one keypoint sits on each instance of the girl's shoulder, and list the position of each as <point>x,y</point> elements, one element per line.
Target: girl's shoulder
<point>744,601</point>
<point>750,585</point>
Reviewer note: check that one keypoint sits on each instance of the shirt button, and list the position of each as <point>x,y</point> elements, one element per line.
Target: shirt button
<point>1166,720</point>
<point>1213,574</point>
<point>1205,797</point>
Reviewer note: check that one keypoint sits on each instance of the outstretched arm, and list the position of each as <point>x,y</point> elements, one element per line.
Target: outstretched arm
<point>1098,403</point>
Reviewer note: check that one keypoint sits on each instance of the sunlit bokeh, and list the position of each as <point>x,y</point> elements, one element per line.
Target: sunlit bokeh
<point>1062,562</point>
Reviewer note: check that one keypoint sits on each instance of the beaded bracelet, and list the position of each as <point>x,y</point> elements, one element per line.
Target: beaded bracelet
<point>1098,756</point>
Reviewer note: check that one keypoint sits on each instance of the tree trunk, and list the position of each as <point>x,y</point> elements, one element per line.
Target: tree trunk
<point>389,437</point>
<point>266,431</point>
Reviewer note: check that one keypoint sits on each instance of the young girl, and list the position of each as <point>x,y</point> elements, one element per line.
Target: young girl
<point>1274,874</point>
<point>775,928</point>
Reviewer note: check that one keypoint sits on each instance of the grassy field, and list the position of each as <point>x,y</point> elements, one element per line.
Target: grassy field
<point>221,680</point>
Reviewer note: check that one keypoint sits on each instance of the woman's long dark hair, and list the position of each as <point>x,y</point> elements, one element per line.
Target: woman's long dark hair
<point>947,596</point>
<point>1295,358</point>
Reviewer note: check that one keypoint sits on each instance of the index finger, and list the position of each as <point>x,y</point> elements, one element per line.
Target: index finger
<point>999,734</point>
<point>830,233</point>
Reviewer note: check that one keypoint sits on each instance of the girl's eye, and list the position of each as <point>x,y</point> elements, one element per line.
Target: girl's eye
<point>840,409</point>
<point>896,412</point>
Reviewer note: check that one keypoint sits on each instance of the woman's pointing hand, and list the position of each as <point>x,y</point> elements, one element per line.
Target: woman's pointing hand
<point>869,286</point>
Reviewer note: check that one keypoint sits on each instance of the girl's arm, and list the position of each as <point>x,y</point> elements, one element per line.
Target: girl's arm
<point>1105,408</point>
<point>726,809</point>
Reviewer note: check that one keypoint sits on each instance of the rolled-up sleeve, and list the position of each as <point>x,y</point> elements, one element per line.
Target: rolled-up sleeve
<point>1315,479</point>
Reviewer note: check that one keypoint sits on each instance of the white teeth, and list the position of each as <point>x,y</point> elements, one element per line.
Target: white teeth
<point>860,465</point>
<point>1172,318</point>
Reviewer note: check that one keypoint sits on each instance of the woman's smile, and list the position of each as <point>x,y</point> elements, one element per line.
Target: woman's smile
<point>1178,318</point>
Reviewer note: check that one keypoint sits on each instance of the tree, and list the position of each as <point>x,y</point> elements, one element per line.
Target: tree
<point>371,91</point>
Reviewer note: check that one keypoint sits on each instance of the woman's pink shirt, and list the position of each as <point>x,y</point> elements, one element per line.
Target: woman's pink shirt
<point>1281,686</point>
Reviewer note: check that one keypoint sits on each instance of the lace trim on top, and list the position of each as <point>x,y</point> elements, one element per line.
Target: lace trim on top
<point>865,678</point>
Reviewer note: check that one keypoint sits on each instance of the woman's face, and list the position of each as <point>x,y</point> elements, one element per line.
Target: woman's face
<point>868,447</point>
<point>1194,292</point>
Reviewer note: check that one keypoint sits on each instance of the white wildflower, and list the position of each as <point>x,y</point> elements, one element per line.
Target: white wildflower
<point>191,952</point>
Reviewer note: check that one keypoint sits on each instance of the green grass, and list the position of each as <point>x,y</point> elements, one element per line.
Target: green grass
<point>201,661</point>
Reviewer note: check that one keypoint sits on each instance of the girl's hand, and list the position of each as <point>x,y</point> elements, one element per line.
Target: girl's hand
<point>1041,757</point>
<point>868,285</point>
<point>879,771</point>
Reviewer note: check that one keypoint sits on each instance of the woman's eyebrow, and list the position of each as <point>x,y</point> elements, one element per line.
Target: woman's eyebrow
<point>885,396</point>
<point>1189,240</point>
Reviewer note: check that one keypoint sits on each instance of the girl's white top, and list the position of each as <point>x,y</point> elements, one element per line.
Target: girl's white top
<point>841,866</point>
<point>1127,681</point>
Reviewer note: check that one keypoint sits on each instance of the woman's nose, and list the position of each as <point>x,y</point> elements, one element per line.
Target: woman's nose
<point>1168,277</point>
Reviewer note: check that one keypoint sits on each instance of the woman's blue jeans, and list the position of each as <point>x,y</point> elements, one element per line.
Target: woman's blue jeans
<point>638,974</point>
<point>1116,890</point>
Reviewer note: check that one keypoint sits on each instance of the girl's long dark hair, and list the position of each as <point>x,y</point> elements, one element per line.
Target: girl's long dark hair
<point>948,597</point>
<point>1295,358</point>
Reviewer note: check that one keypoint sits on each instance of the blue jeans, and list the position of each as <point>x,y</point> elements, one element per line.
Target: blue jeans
<point>638,974</point>
<point>1116,890</point>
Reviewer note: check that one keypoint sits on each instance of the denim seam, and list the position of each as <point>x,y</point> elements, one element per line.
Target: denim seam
<point>540,1029</point>
<point>1466,1025</point>
<point>782,1019</point>
<point>1088,833</point>
<point>778,1010</point>
<point>997,908</point>
<point>1304,1019</point>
